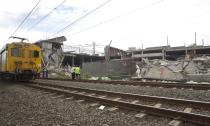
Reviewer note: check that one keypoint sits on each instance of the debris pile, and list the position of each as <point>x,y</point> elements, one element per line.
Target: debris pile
<point>53,57</point>
<point>181,70</point>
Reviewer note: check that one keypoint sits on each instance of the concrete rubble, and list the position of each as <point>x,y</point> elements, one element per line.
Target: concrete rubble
<point>53,57</point>
<point>196,69</point>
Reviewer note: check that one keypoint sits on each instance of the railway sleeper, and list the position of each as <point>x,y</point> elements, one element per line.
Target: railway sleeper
<point>178,115</point>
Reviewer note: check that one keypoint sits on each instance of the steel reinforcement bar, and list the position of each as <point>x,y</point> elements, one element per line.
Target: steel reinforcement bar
<point>180,115</point>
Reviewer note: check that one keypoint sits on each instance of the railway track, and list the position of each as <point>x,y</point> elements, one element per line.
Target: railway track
<point>121,101</point>
<point>179,85</point>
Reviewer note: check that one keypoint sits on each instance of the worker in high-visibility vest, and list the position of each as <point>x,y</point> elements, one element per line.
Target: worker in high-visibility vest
<point>73,73</point>
<point>77,72</point>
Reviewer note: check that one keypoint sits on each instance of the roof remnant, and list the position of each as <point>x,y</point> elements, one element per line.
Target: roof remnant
<point>59,40</point>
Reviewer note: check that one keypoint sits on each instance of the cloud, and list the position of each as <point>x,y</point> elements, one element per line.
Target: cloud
<point>176,18</point>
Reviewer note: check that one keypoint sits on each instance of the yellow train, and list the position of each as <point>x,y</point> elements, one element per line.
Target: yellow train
<point>20,61</point>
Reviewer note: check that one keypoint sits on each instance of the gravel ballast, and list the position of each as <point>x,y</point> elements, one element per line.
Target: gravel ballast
<point>23,106</point>
<point>200,95</point>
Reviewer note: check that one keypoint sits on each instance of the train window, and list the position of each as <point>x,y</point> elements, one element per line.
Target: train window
<point>15,52</point>
<point>36,54</point>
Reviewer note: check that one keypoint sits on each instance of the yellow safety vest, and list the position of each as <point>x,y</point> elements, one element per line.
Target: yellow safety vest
<point>77,70</point>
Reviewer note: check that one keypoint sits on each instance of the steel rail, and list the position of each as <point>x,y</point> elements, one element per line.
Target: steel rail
<point>180,115</point>
<point>151,84</point>
<point>130,95</point>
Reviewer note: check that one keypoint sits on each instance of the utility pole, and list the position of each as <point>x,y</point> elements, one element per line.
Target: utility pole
<point>195,44</point>
<point>72,62</point>
<point>110,43</point>
<point>195,38</point>
<point>94,48</point>
<point>167,40</point>
<point>79,49</point>
<point>142,52</point>
<point>109,51</point>
<point>185,49</point>
<point>203,42</point>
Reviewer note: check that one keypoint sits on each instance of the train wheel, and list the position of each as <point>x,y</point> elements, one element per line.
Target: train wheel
<point>33,77</point>
<point>15,78</point>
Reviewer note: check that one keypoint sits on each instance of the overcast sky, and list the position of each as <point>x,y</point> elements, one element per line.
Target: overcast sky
<point>128,23</point>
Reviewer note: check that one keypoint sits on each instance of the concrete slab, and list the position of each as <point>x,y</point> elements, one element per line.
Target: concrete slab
<point>101,107</point>
<point>158,105</point>
<point>174,123</point>
<point>188,110</point>
<point>178,122</point>
<point>135,101</point>
<point>140,115</point>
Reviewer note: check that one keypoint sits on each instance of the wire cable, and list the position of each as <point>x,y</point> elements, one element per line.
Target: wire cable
<point>47,15</point>
<point>36,10</point>
<point>80,18</point>
<point>116,17</point>
<point>25,18</point>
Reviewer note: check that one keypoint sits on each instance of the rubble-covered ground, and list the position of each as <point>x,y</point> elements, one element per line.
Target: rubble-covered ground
<point>59,73</point>
<point>23,106</point>
<point>180,70</point>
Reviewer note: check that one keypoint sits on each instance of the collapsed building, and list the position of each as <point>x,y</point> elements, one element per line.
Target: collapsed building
<point>74,59</point>
<point>160,63</point>
<point>52,54</point>
<point>163,63</point>
<point>114,53</point>
<point>113,65</point>
<point>180,70</point>
<point>174,63</point>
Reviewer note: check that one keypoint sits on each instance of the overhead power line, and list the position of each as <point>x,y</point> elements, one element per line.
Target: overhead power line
<point>25,18</point>
<point>35,11</point>
<point>116,17</point>
<point>44,17</point>
<point>80,18</point>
